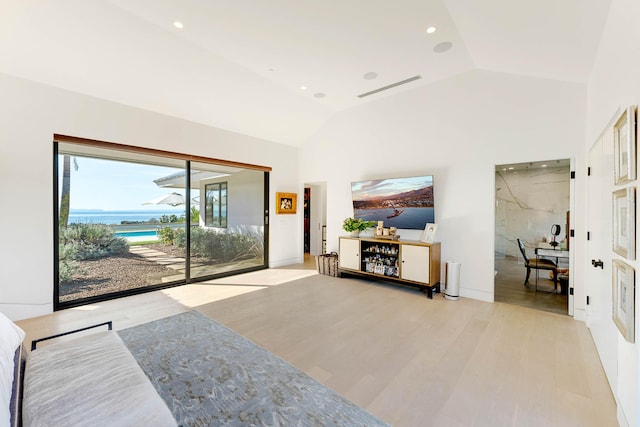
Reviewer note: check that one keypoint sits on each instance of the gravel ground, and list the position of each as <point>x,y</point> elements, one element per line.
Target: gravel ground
<point>117,273</point>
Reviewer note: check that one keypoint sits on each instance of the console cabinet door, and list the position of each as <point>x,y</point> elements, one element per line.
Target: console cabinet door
<point>349,254</point>
<point>415,263</point>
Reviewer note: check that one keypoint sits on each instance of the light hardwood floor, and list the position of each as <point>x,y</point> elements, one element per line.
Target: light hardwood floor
<point>409,360</point>
<point>509,287</point>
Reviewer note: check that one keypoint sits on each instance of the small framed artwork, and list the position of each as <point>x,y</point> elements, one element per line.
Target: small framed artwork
<point>429,233</point>
<point>624,222</point>
<point>624,285</point>
<point>624,146</point>
<point>286,203</point>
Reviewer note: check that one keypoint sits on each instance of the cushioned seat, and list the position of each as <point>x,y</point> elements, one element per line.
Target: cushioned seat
<point>93,381</point>
<point>538,264</point>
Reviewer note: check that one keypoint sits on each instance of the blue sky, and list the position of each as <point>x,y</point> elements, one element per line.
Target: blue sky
<point>364,190</point>
<point>115,185</point>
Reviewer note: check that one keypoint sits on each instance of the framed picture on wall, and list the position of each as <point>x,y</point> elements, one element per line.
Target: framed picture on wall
<point>624,146</point>
<point>429,233</point>
<point>286,203</point>
<point>624,284</point>
<point>624,222</point>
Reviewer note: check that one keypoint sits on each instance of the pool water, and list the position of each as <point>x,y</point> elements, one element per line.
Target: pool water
<point>143,233</point>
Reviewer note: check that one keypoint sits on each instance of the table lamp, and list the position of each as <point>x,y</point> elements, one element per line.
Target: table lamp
<point>555,231</point>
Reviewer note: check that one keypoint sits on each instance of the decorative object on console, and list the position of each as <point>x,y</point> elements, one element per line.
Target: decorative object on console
<point>624,220</point>
<point>356,225</point>
<point>624,146</point>
<point>400,202</point>
<point>429,233</point>
<point>624,278</point>
<point>388,237</point>
<point>286,203</point>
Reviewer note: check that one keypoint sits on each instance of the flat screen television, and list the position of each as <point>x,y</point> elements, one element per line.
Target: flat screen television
<point>399,202</point>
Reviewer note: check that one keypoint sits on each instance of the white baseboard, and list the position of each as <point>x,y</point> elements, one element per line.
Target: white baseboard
<point>475,294</point>
<point>284,262</point>
<point>25,311</point>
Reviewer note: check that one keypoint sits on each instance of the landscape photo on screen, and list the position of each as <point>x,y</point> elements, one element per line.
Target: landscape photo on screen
<point>399,202</point>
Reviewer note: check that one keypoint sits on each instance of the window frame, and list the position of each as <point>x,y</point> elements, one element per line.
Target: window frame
<point>209,211</point>
<point>82,146</point>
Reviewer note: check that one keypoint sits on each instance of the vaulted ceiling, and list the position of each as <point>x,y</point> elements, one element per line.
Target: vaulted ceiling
<point>278,69</point>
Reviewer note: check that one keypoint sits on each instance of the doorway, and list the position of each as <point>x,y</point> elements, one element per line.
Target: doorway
<point>315,214</point>
<point>532,228</point>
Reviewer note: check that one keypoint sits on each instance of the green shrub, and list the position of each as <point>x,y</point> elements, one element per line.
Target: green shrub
<point>180,238</point>
<point>167,235</point>
<point>194,215</point>
<point>90,241</point>
<point>68,266</point>
<point>223,247</point>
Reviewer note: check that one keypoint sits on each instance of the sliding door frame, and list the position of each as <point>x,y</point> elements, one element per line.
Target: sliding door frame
<point>188,159</point>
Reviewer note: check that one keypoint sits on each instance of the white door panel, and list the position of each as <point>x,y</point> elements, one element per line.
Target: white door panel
<point>599,225</point>
<point>316,219</point>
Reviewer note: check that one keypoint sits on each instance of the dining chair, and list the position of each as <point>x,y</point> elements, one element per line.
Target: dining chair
<point>538,264</point>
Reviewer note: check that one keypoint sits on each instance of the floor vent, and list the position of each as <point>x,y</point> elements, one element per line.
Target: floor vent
<point>392,85</point>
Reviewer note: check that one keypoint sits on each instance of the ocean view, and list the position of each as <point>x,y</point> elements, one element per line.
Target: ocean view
<point>116,217</point>
<point>411,218</point>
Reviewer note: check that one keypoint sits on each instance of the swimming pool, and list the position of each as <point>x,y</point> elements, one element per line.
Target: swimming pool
<point>141,233</point>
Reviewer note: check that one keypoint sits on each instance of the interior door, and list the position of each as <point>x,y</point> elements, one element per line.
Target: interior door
<point>599,225</point>
<point>316,220</point>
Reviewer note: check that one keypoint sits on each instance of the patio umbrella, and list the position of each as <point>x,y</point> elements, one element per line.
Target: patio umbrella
<point>172,199</point>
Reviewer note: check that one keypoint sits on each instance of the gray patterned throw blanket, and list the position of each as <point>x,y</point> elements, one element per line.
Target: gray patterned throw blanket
<point>209,375</point>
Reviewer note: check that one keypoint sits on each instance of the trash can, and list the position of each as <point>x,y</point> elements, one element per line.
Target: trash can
<point>452,285</point>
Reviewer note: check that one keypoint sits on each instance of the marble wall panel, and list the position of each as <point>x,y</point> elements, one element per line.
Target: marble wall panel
<point>528,203</point>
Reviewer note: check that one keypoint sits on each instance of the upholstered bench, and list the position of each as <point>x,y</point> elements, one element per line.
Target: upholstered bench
<point>90,380</point>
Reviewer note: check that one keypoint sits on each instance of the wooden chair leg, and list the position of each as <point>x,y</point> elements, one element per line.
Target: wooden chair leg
<point>526,279</point>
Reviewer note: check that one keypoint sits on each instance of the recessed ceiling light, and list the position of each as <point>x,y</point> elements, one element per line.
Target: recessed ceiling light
<point>370,75</point>
<point>431,30</point>
<point>442,47</point>
<point>303,88</point>
<point>178,25</point>
<point>319,95</point>
<point>544,166</point>
<point>511,168</point>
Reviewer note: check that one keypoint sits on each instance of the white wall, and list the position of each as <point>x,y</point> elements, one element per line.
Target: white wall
<point>30,113</point>
<point>245,195</point>
<point>457,130</point>
<point>615,83</point>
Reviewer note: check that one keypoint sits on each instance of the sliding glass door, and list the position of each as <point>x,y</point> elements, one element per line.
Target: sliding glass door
<point>128,222</point>
<point>229,232</point>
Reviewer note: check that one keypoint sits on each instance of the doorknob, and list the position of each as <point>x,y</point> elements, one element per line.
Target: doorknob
<point>597,263</point>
